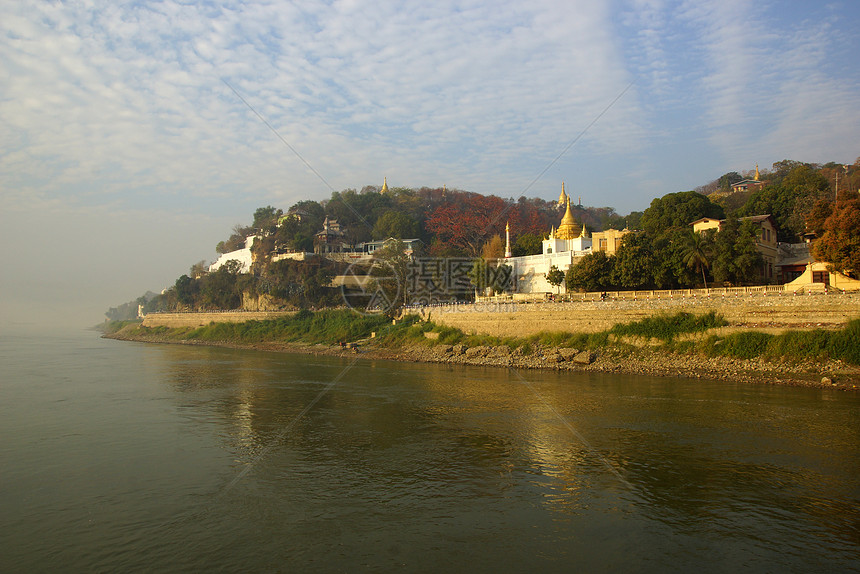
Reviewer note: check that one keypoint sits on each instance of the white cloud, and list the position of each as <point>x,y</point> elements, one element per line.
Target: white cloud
<point>138,88</point>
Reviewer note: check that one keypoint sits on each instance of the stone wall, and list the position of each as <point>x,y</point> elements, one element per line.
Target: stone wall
<point>767,311</point>
<point>174,320</point>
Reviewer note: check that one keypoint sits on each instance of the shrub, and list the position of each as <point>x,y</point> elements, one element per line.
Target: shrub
<point>845,345</point>
<point>744,345</point>
<point>666,327</point>
<point>800,345</point>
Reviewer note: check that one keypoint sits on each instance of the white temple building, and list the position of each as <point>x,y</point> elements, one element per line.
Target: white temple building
<point>243,256</point>
<point>565,246</point>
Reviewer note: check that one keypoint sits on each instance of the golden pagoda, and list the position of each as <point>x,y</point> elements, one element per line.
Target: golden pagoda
<point>568,228</point>
<point>384,185</point>
<point>757,176</point>
<point>562,198</point>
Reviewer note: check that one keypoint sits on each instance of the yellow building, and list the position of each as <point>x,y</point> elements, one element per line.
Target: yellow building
<point>818,277</point>
<point>608,241</point>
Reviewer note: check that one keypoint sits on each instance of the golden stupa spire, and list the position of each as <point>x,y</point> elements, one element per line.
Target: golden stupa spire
<point>568,228</point>
<point>562,198</point>
<point>384,185</point>
<point>756,178</point>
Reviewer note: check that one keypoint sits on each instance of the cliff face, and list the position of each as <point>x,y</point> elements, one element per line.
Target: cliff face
<point>261,302</point>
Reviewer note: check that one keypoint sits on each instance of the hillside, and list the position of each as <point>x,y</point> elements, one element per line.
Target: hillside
<point>461,224</point>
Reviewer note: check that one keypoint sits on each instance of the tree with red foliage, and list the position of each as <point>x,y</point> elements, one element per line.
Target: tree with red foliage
<point>839,245</point>
<point>466,220</point>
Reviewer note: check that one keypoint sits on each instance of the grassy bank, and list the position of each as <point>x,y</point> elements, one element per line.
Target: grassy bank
<point>667,334</point>
<point>306,327</point>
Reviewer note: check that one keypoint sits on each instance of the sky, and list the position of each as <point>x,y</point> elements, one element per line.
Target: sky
<point>134,135</point>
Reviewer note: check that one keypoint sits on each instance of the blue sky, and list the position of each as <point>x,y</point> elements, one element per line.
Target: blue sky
<point>125,156</point>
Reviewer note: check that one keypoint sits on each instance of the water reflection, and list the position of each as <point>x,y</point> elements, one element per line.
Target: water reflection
<point>751,474</point>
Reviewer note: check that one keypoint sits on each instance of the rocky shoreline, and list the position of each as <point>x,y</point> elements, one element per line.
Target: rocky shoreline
<point>640,361</point>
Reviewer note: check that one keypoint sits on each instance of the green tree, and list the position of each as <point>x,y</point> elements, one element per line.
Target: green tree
<point>218,289</point>
<point>199,269</point>
<point>789,199</point>
<point>669,271</point>
<point>634,220</point>
<point>555,277</point>
<point>357,213</point>
<point>308,212</point>
<point>302,243</point>
<point>266,218</point>
<point>678,210</point>
<point>186,290</point>
<point>727,180</point>
<point>748,259</point>
<point>478,276</point>
<point>696,253</point>
<point>395,224</point>
<point>301,283</point>
<point>736,259</point>
<point>527,244</point>
<point>634,262</point>
<point>592,273</point>
<point>297,229</point>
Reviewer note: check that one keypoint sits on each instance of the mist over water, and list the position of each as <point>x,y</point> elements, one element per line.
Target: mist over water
<point>122,456</point>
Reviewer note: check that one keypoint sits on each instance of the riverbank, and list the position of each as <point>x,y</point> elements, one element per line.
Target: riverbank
<point>618,352</point>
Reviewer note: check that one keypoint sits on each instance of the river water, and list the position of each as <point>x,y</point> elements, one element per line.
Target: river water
<point>120,456</point>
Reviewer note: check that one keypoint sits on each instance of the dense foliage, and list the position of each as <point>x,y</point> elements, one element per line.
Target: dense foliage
<point>839,243</point>
<point>669,255</point>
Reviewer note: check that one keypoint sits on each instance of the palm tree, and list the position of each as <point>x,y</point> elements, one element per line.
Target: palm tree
<point>696,252</point>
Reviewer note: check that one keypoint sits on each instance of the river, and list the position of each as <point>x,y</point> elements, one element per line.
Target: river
<point>119,456</point>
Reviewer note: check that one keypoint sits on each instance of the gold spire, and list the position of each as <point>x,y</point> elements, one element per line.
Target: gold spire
<point>756,173</point>
<point>384,185</point>
<point>562,198</point>
<point>568,228</point>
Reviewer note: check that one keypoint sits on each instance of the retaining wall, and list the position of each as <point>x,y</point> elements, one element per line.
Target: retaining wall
<point>768,311</point>
<point>174,320</point>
